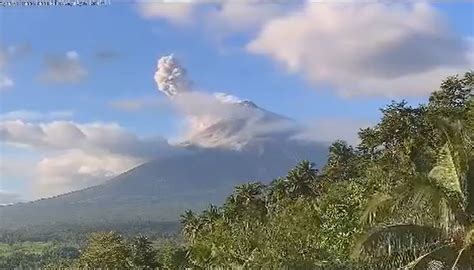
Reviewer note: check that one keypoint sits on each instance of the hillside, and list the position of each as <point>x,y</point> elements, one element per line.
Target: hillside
<point>161,189</point>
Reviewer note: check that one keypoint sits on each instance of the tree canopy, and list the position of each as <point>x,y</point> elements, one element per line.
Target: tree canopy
<point>403,197</point>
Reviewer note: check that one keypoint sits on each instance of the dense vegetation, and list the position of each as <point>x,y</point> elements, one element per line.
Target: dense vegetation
<point>62,244</point>
<point>403,197</point>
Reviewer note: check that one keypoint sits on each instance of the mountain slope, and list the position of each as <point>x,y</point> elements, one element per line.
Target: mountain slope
<point>231,141</point>
<point>163,188</point>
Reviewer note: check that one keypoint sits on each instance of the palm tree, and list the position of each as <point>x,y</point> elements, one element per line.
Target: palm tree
<point>191,225</point>
<point>277,192</point>
<point>143,255</point>
<point>249,193</point>
<point>301,180</point>
<point>247,199</point>
<point>209,216</point>
<point>436,228</point>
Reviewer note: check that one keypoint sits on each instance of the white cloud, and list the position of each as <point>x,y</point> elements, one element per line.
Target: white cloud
<point>330,129</point>
<point>7,55</point>
<point>222,17</point>
<point>72,55</point>
<point>75,169</point>
<point>178,12</point>
<point>93,137</point>
<point>203,110</point>
<point>235,16</point>
<point>366,48</point>
<point>65,68</point>
<point>369,48</point>
<point>5,82</point>
<point>74,155</point>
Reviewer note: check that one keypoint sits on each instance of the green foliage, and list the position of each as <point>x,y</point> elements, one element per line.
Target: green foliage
<point>34,254</point>
<point>399,199</point>
<point>427,216</point>
<point>106,250</point>
<point>142,253</point>
<point>172,256</point>
<point>342,162</point>
<point>452,100</point>
<point>278,225</point>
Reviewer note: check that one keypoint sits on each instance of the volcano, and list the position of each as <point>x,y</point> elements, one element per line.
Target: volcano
<point>220,152</point>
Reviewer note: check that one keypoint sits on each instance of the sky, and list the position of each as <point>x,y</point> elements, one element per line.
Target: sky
<point>79,102</point>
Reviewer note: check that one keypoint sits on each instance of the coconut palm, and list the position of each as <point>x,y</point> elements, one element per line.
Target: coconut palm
<point>249,193</point>
<point>437,229</point>
<point>277,192</point>
<point>301,180</point>
<point>209,216</point>
<point>247,199</point>
<point>191,225</point>
<point>142,253</point>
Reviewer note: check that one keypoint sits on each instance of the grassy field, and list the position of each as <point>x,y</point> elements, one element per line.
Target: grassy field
<point>26,247</point>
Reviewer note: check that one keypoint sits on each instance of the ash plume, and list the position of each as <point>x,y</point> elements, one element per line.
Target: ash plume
<point>217,119</point>
<point>171,77</point>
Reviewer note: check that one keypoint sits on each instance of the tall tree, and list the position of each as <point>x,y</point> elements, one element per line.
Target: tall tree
<point>107,251</point>
<point>427,217</point>
<point>142,253</point>
<point>172,257</point>
<point>191,224</point>
<point>302,180</point>
<point>454,99</point>
<point>342,163</point>
<point>247,199</point>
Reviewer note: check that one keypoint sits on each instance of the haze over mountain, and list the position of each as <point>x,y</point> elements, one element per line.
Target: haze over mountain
<point>228,141</point>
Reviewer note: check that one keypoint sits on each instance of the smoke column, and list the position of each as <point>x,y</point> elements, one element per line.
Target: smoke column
<point>171,77</point>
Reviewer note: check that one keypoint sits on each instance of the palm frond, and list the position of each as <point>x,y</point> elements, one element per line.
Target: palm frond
<point>379,205</point>
<point>469,237</point>
<point>445,173</point>
<point>447,176</point>
<point>458,148</point>
<point>442,207</point>
<point>423,260</point>
<point>385,240</point>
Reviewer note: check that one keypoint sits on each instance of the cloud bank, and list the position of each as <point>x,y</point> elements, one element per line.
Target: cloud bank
<point>366,48</point>
<point>177,12</point>
<point>358,49</point>
<point>75,155</point>
<point>220,17</point>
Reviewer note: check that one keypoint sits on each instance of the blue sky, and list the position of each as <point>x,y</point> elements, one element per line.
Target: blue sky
<point>109,54</point>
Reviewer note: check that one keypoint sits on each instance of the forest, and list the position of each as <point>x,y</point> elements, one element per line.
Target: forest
<point>402,198</point>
